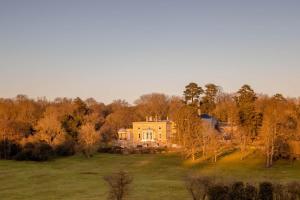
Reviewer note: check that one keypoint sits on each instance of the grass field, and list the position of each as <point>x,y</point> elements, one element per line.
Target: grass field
<point>155,176</point>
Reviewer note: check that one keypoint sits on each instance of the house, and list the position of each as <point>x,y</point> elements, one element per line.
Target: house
<point>155,132</point>
<point>221,128</point>
<point>148,133</point>
<point>213,122</point>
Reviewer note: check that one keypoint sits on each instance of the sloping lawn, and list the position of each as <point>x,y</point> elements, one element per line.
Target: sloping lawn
<point>251,169</point>
<point>155,176</point>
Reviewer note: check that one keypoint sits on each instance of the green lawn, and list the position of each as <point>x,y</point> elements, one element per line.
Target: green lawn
<point>155,176</point>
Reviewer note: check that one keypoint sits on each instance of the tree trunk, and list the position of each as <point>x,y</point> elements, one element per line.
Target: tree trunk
<point>215,157</point>
<point>243,148</point>
<point>204,151</point>
<point>272,152</point>
<point>193,154</point>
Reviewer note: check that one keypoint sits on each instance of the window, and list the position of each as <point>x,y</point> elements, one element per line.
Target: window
<point>159,128</point>
<point>139,135</point>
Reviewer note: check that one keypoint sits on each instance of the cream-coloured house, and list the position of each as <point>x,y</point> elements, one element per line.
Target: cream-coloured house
<point>149,132</point>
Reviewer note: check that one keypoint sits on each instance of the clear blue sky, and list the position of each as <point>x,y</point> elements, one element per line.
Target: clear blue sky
<point>121,49</point>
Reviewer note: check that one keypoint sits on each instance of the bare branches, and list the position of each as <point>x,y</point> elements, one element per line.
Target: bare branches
<point>119,185</point>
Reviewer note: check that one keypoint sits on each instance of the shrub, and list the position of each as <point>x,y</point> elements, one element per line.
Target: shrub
<point>198,186</point>
<point>36,152</point>
<point>218,192</point>
<point>65,149</point>
<point>293,190</point>
<point>105,149</point>
<point>116,149</point>
<point>250,192</point>
<point>265,191</point>
<point>119,185</point>
<point>279,191</point>
<point>9,149</point>
<point>237,191</point>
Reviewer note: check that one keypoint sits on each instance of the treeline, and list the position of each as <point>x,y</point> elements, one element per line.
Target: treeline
<point>30,128</point>
<point>41,129</point>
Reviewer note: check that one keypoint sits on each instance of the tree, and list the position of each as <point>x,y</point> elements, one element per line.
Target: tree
<point>121,118</point>
<point>88,139</point>
<point>247,116</point>
<point>175,104</point>
<point>198,186</point>
<point>226,111</point>
<point>49,127</point>
<point>278,126</point>
<point>189,131</point>
<point>208,103</point>
<point>192,93</point>
<point>212,145</point>
<point>73,119</point>
<point>154,105</point>
<point>119,185</point>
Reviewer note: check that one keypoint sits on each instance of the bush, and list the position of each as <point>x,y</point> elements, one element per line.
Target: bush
<point>105,149</point>
<point>119,185</point>
<point>9,149</point>
<point>205,188</point>
<point>293,190</point>
<point>279,191</point>
<point>218,192</point>
<point>198,186</point>
<point>250,192</point>
<point>66,149</point>
<point>116,150</point>
<point>36,152</point>
<point>265,191</point>
<point>237,191</point>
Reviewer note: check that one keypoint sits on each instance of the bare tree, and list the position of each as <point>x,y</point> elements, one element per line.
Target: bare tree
<point>155,104</point>
<point>119,185</point>
<point>88,139</point>
<point>189,131</point>
<point>198,186</point>
<point>49,127</point>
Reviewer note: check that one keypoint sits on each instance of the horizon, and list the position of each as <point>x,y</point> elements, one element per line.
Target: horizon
<point>117,50</point>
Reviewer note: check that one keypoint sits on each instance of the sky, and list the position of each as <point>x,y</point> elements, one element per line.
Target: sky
<point>118,49</point>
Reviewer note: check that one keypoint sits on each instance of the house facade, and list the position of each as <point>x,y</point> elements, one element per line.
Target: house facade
<point>148,133</point>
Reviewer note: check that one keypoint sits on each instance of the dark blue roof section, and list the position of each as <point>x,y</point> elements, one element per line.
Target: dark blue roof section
<point>206,116</point>
<point>212,120</point>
